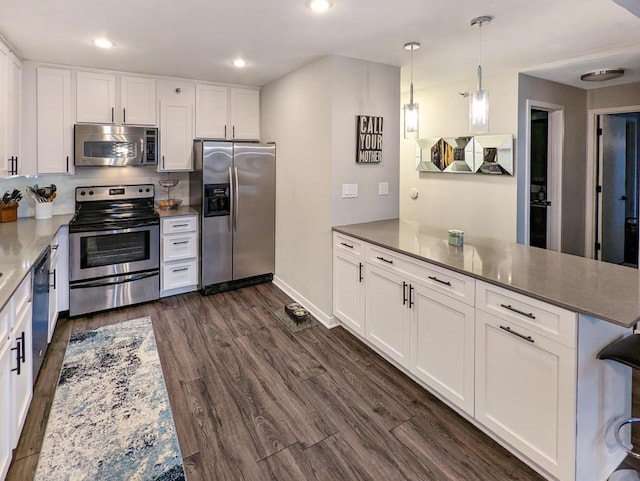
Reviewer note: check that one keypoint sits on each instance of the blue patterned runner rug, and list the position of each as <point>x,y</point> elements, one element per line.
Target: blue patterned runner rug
<point>111,419</point>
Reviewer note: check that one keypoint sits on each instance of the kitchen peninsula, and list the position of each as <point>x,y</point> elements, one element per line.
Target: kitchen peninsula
<point>506,334</point>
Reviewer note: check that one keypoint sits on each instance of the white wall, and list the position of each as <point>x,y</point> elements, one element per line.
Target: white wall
<point>481,205</point>
<point>311,115</point>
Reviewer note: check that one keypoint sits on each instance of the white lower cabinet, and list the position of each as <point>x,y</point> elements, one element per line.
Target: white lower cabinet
<point>21,359</point>
<point>526,392</point>
<point>387,318</point>
<point>348,284</point>
<point>5,406</point>
<point>516,366</point>
<point>178,255</point>
<point>442,345</point>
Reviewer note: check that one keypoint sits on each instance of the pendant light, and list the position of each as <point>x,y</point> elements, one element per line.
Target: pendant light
<point>479,99</point>
<point>411,117</point>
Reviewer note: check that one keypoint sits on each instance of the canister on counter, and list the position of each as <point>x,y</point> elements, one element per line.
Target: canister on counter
<point>456,237</point>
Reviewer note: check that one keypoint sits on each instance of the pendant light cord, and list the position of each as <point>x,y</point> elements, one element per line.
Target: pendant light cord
<point>411,81</point>
<point>480,55</point>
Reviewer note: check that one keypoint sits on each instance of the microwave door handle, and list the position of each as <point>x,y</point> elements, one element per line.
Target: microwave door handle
<point>231,201</point>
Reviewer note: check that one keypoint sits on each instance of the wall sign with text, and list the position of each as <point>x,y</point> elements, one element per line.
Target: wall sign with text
<point>369,133</point>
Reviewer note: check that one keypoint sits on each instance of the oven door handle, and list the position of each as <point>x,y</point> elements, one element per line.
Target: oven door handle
<point>113,280</point>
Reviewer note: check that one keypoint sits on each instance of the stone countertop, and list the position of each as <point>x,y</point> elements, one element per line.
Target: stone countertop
<point>21,243</point>
<point>182,210</point>
<point>599,289</point>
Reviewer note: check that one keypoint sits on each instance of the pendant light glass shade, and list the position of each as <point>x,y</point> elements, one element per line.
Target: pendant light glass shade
<point>411,121</point>
<point>411,110</point>
<point>479,99</point>
<point>479,112</point>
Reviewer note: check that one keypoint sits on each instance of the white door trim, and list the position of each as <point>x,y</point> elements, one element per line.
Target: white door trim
<point>592,162</point>
<point>554,173</point>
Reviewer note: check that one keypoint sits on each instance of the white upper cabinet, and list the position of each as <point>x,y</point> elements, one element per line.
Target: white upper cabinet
<point>4,77</point>
<point>55,122</point>
<point>138,100</point>
<point>14,98</point>
<point>227,113</point>
<point>212,106</point>
<point>245,114</point>
<point>95,97</point>
<point>176,99</point>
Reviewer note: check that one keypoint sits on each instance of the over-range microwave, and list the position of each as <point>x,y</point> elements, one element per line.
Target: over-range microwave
<point>115,145</point>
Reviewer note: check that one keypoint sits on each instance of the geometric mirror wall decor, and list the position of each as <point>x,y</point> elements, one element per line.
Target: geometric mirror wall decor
<point>482,154</point>
<point>494,154</point>
<point>431,159</point>
<point>459,155</point>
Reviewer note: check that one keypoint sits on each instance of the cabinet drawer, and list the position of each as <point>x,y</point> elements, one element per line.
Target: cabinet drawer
<point>450,283</point>
<point>174,225</point>
<point>550,321</point>
<point>22,296</point>
<point>179,274</point>
<point>176,246</point>
<point>348,244</point>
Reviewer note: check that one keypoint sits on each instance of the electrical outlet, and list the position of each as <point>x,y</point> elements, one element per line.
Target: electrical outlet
<point>383,188</point>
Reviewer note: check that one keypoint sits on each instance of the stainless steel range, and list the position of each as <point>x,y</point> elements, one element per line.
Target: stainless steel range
<point>114,245</point>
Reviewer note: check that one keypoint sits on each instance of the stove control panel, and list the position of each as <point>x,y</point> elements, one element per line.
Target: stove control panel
<point>114,192</point>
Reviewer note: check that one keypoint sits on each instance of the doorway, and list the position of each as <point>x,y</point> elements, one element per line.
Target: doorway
<point>618,183</point>
<point>543,195</point>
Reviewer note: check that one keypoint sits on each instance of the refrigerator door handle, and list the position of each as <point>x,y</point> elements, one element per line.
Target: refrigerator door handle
<point>233,201</point>
<point>236,207</point>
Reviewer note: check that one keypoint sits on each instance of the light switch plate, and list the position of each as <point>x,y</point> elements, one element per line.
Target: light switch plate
<point>383,188</point>
<point>349,191</point>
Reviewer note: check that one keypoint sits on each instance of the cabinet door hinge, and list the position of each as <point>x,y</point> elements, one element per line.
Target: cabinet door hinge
<point>598,189</point>
<point>598,246</point>
<point>599,131</point>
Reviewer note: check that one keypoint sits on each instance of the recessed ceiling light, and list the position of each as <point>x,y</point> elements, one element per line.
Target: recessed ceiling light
<point>602,75</point>
<point>103,43</point>
<point>239,63</point>
<point>320,6</point>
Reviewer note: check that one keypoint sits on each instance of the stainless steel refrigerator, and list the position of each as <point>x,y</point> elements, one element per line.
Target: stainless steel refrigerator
<point>233,187</point>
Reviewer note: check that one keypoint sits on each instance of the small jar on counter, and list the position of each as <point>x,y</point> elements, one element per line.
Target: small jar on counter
<point>456,237</point>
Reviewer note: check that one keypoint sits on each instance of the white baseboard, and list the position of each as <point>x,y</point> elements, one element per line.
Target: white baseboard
<point>326,320</point>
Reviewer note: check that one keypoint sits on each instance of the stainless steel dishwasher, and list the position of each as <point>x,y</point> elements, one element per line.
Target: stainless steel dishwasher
<point>40,319</point>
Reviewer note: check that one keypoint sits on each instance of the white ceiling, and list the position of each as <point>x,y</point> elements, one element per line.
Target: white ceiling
<point>554,39</point>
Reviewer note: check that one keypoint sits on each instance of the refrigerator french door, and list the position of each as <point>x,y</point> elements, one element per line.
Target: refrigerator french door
<point>236,198</point>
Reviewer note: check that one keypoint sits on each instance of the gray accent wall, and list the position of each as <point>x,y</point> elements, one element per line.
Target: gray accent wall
<point>574,101</point>
<point>311,115</point>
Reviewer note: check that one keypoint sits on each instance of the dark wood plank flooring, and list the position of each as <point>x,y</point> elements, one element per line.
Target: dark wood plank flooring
<point>253,401</point>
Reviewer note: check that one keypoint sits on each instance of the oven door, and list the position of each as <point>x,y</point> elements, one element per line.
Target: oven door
<point>113,252</point>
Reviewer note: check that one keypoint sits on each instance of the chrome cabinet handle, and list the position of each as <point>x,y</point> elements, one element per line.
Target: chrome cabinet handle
<point>411,303</point>
<point>346,245</point>
<point>113,114</point>
<point>521,336</point>
<point>225,131</point>
<point>522,313</point>
<point>181,242</point>
<point>404,293</point>
<point>384,260</point>
<point>360,265</point>
<point>180,270</point>
<point>124,115</point>
<point>434,278</point>
<point>180,225</point>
